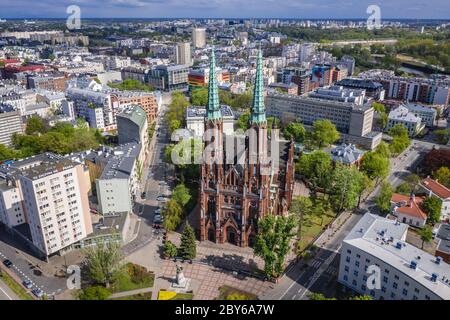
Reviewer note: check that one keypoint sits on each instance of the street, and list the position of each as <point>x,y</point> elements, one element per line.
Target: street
<point>320,273</point>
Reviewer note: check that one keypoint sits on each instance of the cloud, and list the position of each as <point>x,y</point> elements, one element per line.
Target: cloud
<point>227,8</point>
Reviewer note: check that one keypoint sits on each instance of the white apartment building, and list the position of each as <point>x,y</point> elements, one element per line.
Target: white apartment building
<point>183,53</point>
<point>10,123</point>
<point>405,272</point>
<point>50,194</point>
<point>426,114</point>
<point>401,115</point>
<point>195,120</point>
<point>199,37</point>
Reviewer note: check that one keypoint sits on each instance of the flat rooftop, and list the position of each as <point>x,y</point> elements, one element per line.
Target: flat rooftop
<point>382,238</point>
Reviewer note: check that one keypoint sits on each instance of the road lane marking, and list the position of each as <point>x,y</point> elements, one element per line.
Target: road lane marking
<point>6,294</point>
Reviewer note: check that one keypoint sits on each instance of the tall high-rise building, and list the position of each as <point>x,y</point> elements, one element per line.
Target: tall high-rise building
<point>199,37</point>
<point>183,53</point>
<point>48,194</point>
<point>10,123</point>
<point>238,188</point>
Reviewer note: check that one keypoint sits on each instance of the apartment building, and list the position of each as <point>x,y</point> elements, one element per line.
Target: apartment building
<point>118,179</point>
<point>47,196</point>
<point>373,89</point>
<point>10,123</point>
<point>198,78</point>
<point>345,110</point>
<point>51,82</point>
<point>426,114</point>
<point>429,91</point>
<point>402,271</point>
<point>199,37</point>
<point>195,120</point>
<point>147,101</point>
<point>402,115</point>
<point>183,53</point>
<point>169,77</point>
<point>132,125</point>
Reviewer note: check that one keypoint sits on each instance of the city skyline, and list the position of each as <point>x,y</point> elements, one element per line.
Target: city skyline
<point>323,9</point>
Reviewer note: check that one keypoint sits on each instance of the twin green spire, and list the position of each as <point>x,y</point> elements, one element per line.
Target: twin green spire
<point>213,107</point>
<point>258,113</point>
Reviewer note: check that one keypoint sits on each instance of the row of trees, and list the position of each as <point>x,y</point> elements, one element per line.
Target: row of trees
<point>199,97</point>
<point>187,249</point>
<point>177,207</point>
<point>131,84</point>
<point>63,138</point>
<point>175,116</point>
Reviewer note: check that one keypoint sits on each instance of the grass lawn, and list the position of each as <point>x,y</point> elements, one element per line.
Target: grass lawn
<point>311,227</point>
<point>15,287</point>
<point>135,277</point>
<point>228,293</point>
<point>139,296</point>
<point>183,296</point>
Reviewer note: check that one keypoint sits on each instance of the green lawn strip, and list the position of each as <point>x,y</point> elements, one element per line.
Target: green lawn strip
<point>311,227</point>
<point>135,277</point>
<point>226,291</point>
<point>183,296</point>
<point>15,287</point>
<point>139,296</point>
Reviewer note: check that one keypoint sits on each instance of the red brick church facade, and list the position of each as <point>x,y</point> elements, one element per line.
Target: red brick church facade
<point>235,194</point>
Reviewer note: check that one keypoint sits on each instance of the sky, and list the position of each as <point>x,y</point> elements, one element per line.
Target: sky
<point>315,9</point>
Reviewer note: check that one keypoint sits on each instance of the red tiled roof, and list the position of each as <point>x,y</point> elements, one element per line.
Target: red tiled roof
<point>12,68</point>
<point>9,61</point>
<point>412,209</point>
<point>437,188</point>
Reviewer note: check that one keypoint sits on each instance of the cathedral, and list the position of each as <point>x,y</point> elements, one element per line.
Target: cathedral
<point>243,177</point>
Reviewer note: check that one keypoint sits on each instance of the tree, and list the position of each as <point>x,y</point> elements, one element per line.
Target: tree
<point>104,262</point>
<point>296,131</point>
<point>383,201</point>
<point>404,188</point>
<point>345,187</point>
<point>188,247</point>
<point>273,242</point>
<point>237,296</point>
<point>399,130</point>
<point>172,214</point>
<point>301,207</point>
<point>383,150</point>
<point>7,153</point>
<point>366,297</point>
<point>170,249</point>
<point>316,168</point>
<point>318,296</point>
<point>199,97</point>
<point>174,125</point>
<point>379,107</point>
<point>324,133</point>
<point>426,234</point>
<point>94,293</point>
<point>400,139</point>
<point>181,195</point>
<point>442,175</point>
<point>442,135</point>
<point>35,125</point>
<point>243,122</point>
<point>375,165</point>
<point>432,206</point>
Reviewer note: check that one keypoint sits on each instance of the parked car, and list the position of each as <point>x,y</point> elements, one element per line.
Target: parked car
<point>7,263</point>
<point>37,292</point>
<point>27,284</point>
<point>143,195</point>
<point>158,219</point>
<point>161,198</point>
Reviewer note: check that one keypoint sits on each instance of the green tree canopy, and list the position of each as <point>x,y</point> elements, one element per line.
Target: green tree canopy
<point>442,175</point>
<point>181,195</point>
<point>172,213</point>
<point>199,97</point>
<point>346,185</point>
<point>383,200</point>
<point>375,165</point>
<point>188,247</point>
<point>35,125</point>
<point>273,242</point>
<point>316,168</point>
<point>324,133</point>
<point>426,234</point>
<point>104,262</point>
<point>296,131</point>
<point>432,206</point>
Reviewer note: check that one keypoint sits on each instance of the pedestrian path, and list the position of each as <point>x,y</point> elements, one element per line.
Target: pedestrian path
<point>130,293</point>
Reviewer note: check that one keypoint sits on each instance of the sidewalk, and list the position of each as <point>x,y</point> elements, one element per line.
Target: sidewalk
<point>131,293</point>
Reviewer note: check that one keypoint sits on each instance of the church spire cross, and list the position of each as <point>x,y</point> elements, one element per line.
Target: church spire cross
<point>213,107</point>
<point>258,115</point>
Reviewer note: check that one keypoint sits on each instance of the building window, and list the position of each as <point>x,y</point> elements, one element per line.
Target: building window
<point>347,259</point>
<point>354,282</point>
<point>363,287</point>
<point>385,279</point>
<point>357,263</point>
<point>405,292</point>
<point>396,277</point>
<point>392,295</point>
<point>355,273</point>
<point>346,268</point>
<point>407,283</point>
<point>395,285</point>
<point>345,278</point>
<point>383,289</point>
